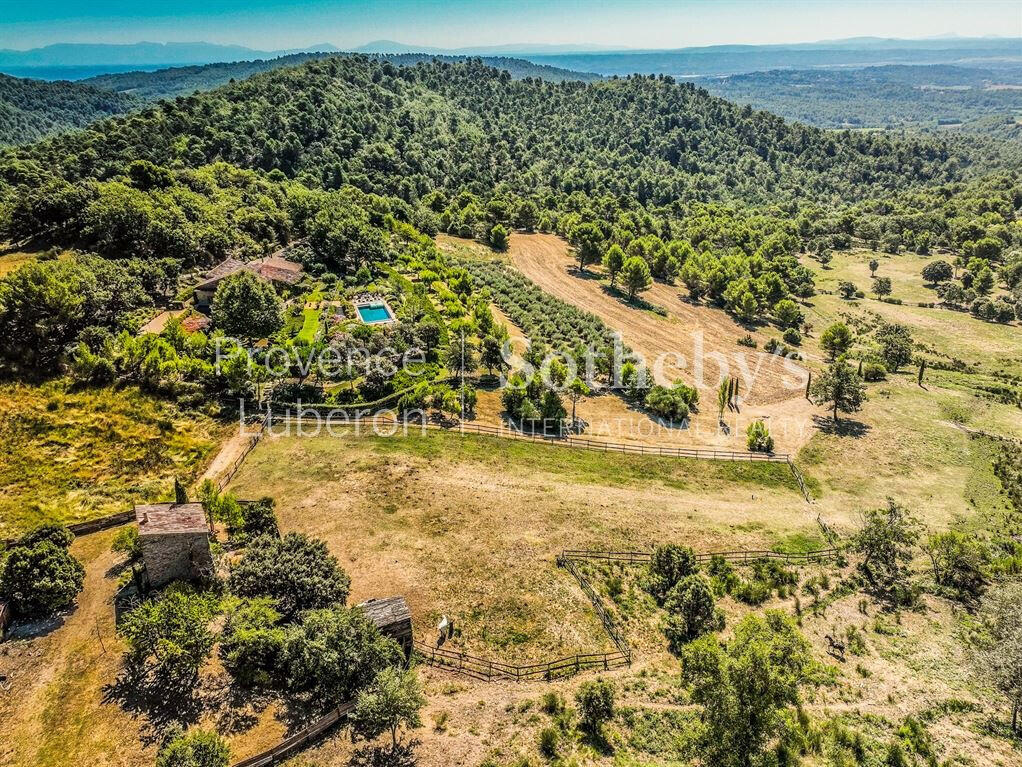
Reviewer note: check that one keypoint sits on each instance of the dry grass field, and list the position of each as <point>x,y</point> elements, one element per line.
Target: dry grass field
<point>74,455</point>
<point>469,526</point>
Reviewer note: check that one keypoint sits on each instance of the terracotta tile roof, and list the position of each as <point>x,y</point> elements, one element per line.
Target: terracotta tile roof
<point>162,518</point>
<point>276,273</point>
<point>195,323</point>
<point>278,262</point>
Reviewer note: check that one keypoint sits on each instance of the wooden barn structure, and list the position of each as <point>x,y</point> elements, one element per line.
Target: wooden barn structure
<point>393,618</point>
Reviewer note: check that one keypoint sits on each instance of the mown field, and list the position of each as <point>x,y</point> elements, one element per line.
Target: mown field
<point>73,455</point>
<point>469,526</point>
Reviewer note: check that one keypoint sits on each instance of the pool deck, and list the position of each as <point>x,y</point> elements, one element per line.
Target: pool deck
<point>378,303</point>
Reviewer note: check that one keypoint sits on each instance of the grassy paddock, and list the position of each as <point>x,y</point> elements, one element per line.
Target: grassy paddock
<point>469,526</point>
<point>70,456</point>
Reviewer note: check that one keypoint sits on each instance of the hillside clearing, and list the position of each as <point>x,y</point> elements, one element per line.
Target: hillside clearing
<point>70,456</point>
<point>469,526</point>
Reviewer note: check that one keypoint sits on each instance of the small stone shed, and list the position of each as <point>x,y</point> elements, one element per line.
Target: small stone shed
<point>175,541</point>
<point>393,618</point>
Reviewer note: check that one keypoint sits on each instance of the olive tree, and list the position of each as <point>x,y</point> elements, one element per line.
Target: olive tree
<point>595,703</point>
<point>169,638</point>
<point>297,571</point>
<point>746,686</point>
<point>886,542</point>
<point>896,345</point>
<point>393,699</point>
<point>997,655</point>
<point>839,387</point>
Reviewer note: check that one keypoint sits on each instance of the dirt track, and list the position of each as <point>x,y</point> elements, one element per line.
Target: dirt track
<point>771,387</point>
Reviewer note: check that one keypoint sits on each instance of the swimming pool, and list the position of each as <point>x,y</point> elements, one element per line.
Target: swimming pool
<point>372,314</point>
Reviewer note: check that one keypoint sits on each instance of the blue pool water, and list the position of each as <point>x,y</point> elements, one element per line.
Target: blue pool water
<point>374,313</point>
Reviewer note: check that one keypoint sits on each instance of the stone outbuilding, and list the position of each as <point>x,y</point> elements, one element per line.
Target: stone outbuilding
<point>174,538</point>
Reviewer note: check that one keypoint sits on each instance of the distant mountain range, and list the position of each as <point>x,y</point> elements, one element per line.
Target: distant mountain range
<point>75,61</point>
<point>516,49</point>
<point>81,60</point>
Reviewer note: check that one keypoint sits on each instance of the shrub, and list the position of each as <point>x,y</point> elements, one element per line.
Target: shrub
<point>668,565</point>
<point>792,336</point>
<point>723,575</point>
<point>252,642</point>
<point>41,577</point>
<point>548,741</point>
<point>692,612</point>
<point>595,703</point>
<point>552,703</point>
<point>752,592</point>
<point>758,438</point>
<point>126,542</point>
<point>198,749</point>
<point>747,340</point>
<point>847,290</point>
<point>667,403</point>
<point>874,371</point>
<point>298,572</point>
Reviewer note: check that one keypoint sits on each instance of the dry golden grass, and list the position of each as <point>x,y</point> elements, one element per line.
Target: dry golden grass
<point>469,526</point>
<point>73,455</point>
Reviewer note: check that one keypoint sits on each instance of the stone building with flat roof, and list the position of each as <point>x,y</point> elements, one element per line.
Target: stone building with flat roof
<point>174,538</point>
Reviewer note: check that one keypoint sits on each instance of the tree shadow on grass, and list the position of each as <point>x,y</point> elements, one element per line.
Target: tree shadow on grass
<point>597,741</point>
<point>301,710</point>
<point>845,427</point>
<point>635,303</point>
<point>39,627</point>
<point>385,756</point>
<point>238,707</point>
<point>163,706</point>
<point>584,274</point>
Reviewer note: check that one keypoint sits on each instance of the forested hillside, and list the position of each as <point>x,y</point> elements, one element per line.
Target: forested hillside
<point>407,131</point>
<point>31,109</point>
<point>882,97</point>
<point>179,81</point>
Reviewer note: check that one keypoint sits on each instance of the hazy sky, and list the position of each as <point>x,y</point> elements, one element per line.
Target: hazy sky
<point>276,24</point>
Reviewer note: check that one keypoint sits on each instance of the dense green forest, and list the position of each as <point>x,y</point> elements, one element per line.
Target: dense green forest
<point>717,195</point>
<point>32,109</point>
<point>894,96</point>
<point>179,81</point>
<point>408,131</point>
